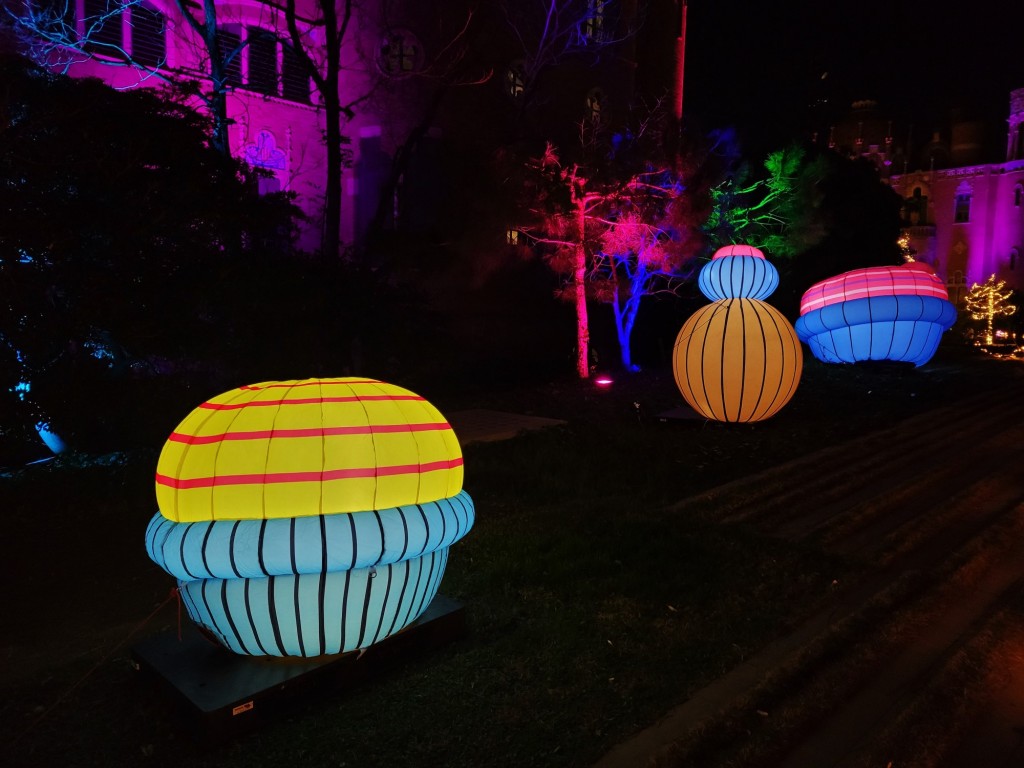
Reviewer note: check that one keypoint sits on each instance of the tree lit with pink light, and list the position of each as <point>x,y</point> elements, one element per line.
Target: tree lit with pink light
<point>617,231</point>
<point>641,254</point>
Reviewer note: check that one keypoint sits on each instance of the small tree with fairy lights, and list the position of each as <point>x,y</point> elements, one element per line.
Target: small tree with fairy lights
<point>988,301</point>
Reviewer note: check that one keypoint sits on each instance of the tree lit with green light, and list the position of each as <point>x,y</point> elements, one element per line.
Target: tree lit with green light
<point>773,212</point>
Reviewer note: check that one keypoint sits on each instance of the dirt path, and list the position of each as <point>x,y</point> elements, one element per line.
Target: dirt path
<point>920,504</point>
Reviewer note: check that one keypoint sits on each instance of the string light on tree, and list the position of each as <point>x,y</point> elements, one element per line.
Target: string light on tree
<point>988,301</point>
<point>903,241</point>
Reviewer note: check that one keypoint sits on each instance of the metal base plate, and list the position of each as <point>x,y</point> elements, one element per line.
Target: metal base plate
<point>681,413</point>
<point>228,693</point>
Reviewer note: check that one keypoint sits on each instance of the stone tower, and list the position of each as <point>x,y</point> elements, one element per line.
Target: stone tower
<point>1015,135</point>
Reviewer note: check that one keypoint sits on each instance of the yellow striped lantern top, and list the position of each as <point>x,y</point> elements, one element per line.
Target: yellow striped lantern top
<point>307,447</point>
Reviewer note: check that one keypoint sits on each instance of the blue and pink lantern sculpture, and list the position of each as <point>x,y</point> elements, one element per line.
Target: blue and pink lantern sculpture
<point>308,518</point>
<point>737,359</point>
<point>894,313</point>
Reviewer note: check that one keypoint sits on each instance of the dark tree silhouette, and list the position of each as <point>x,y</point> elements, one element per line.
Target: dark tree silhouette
<point>48,33</point>
<point>860,217</point>
<point>116,247</point>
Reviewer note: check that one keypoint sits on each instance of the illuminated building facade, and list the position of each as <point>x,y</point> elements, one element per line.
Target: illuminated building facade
<point>274,118</point>
<point>967,220</point>
<point>421,80</point>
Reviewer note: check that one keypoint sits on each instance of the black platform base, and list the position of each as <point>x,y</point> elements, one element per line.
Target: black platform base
<point>681,413</point>
<point>226,693</point>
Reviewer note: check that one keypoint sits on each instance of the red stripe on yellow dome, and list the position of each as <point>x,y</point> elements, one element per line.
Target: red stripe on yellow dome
<point>266,434</point>
<point>312,383</point>
<point>306,401</point>
<point>305,477</point>
<point>342,448</point>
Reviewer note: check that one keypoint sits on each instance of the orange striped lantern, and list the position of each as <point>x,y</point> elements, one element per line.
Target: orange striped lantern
<point>737,359</point>
<point>313,517</point>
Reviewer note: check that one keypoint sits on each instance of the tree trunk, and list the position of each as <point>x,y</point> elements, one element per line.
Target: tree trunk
<point>625,317</point>
<point>218,104</point>
<point>330,241</point>
<point>579,283</point>
<point>625,353</point>
<point>400,164</point>
<point>217,101</point>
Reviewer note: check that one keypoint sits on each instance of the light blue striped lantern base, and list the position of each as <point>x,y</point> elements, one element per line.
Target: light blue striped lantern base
<point>310,586</point>
<point>897,328</point>
<point>315,614</point>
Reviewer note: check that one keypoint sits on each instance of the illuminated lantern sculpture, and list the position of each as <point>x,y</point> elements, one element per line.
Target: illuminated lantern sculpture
<point>737,359</point>
<point>305,518</point>
<point>894,313</point>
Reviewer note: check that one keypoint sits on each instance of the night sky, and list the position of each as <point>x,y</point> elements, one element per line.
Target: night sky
<point>759,65</point>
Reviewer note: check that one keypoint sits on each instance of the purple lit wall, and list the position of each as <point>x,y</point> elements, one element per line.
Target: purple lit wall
<point>974,226</point>
<point>276,120</point>
<point>281,134</point>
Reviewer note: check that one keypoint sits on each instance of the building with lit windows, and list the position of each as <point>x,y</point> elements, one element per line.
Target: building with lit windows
<point>967,220</point>
<point>962,213</point>
<point>419,79</point>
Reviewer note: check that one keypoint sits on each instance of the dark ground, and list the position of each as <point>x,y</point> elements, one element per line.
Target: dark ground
<point>85,590</point>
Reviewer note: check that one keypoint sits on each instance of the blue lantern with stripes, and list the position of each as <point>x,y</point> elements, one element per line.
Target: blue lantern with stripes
<point>896,313</point>
<point>301,573</point>
<point>738,272</point>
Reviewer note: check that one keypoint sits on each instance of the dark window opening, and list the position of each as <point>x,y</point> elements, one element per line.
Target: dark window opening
<point>230,52</point>
<point>515,85</point>
<point>262,62</point>
<point>962,212</point>
<point>595,104</point>
<point>147,30</point>
<point>593,24</point>
<point>102,27</point>
<point>294,79</point>
<point>57,14</point>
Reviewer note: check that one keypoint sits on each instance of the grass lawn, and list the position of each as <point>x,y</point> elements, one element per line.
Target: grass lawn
<point>591,608</point>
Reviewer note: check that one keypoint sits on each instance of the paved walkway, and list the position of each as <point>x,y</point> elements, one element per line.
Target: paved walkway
<point>916,469</point>
<point>480,425</point>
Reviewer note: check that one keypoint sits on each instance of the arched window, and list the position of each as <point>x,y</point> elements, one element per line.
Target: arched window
<point>962,203</point>
<point>1018,194</point>
<point>962,212</point>
<point>399,53</point>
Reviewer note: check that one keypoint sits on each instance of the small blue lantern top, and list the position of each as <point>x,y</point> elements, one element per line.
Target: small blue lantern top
<point>738,272</point>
